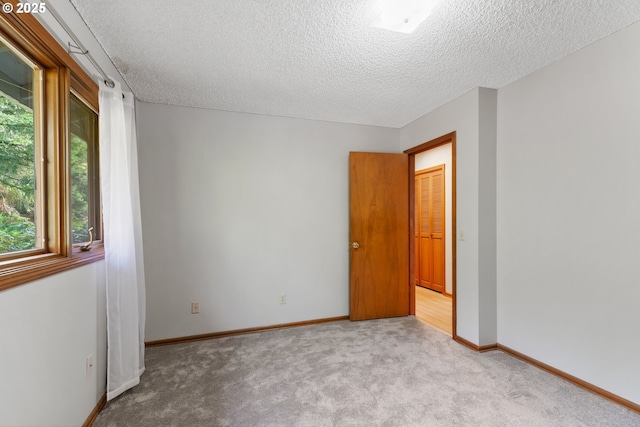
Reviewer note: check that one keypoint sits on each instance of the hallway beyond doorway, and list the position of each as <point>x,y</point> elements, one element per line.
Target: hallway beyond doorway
<point>434,309</point>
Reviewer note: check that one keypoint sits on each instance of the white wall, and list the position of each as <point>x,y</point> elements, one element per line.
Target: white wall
<point>442,156</point>
<point>487,227</point>
<point>568,210</point>
<point>240,208</point>
<point>475,313</point>
<point>47,329</point>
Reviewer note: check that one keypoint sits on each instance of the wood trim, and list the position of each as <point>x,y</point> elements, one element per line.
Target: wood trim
<point>96,411</point>
<point>234,332</point>
<point>85,92</point>
<point>45,265</point>
<point>54,156</point>
<point>454,235</point>
<point>475,347</point>
<point>444,139</point>
<point>412,232</point>
<point>574,380</point>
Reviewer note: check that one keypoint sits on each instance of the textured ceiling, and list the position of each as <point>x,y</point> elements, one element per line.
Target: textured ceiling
<point>320,59</point>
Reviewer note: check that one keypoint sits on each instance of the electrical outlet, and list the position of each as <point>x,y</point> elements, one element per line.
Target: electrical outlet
<point>283,299</point>
<point>195,307</point>
<point>89,369</point>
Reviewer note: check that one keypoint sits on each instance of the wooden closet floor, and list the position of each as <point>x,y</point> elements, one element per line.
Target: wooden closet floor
<point>434,309</point>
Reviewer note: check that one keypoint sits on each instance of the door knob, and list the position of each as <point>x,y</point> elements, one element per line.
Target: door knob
<point>355,245</point>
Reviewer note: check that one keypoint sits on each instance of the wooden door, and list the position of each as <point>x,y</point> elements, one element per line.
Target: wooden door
<point>430,220</point>
<point>379,235</point>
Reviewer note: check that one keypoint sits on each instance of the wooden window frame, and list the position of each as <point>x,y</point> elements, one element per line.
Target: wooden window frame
<point>61,76</point>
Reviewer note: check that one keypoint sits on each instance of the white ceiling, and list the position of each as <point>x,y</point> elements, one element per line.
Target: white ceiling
<point>320,59</point>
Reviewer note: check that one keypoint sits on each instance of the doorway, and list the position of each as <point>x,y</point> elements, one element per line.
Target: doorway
<point>424,301</point>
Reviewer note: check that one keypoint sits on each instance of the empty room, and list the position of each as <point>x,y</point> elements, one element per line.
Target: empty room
<point>236,213</point>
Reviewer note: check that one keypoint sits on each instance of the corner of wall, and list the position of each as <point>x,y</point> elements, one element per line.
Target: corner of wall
<point>487,237</point>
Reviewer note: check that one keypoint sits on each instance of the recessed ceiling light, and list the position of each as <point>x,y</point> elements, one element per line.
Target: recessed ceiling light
<point>403,16</point>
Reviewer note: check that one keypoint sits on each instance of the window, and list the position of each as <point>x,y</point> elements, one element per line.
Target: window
<point>20,210</point>
<point>49,171</point>
<point>85,176</point>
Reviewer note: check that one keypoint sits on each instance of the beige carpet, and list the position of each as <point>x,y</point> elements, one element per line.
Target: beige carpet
<point>392,372</point>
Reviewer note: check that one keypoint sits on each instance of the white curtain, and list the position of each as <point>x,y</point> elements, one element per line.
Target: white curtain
<point>122,240</point>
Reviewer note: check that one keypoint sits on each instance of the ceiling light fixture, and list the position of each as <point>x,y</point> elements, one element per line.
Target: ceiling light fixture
<point>403,16</point>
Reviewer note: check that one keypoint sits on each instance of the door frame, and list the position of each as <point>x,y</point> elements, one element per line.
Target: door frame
<point>437,142</point>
